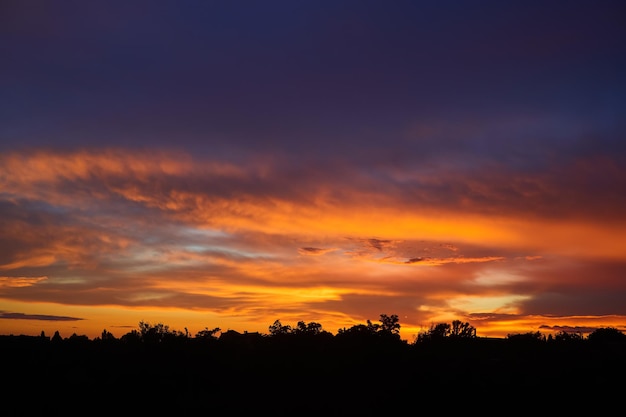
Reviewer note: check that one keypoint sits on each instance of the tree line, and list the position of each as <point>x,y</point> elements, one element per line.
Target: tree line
<point>365,369</point>
<point>388,329</point>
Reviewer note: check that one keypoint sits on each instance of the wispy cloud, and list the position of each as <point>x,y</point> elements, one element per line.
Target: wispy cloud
<point>314,251</point>
<point>22,316</point>
<point>20,281</point>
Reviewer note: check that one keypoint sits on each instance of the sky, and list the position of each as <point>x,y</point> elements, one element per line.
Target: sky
<point>227,164</point>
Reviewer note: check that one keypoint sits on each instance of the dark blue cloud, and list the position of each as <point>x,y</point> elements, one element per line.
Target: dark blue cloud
<point>22,316</point>
<point>344,79</point>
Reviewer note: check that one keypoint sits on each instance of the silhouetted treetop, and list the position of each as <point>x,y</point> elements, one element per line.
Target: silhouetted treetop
<point>607,334</point>
<point>457,330</point>
<point>208,334</point>
<point>277,329</point>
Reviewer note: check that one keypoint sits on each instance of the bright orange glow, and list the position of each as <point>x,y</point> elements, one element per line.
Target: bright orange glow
<point>123,237</point>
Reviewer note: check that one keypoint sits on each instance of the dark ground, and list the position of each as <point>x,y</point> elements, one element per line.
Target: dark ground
<point>295,379</point>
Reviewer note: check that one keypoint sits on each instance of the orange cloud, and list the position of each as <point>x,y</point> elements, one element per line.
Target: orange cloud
<point>166,231</point>
<point>15,282</point>
<point>310,251</point>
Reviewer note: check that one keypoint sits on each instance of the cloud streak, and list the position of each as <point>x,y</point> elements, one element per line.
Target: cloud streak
<point>22,316</point>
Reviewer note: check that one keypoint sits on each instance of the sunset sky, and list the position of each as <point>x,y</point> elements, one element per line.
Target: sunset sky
<point>227,164</point>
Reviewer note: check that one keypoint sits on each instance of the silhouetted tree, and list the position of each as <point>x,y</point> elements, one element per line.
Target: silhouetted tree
<point>606,334</point>
<point>358,330</point>
<point>107,336</point>
<point>56,338</point>
<point>310,329</point>
<point>153,333</point>
<point>277,329</point>
<point>528,337</point>
<point>462,330</point>
<point>564,336</point>
<point>131,337</point>
<point>390,324</point>
<point>78,339</point>
<point>208,334</point>
<point>457,330</point>
<point>158,333</point>
<point>388,330</point>
<point>437,331</point>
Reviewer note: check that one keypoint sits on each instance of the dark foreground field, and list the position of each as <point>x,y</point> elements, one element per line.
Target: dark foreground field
<point>310,377</point>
